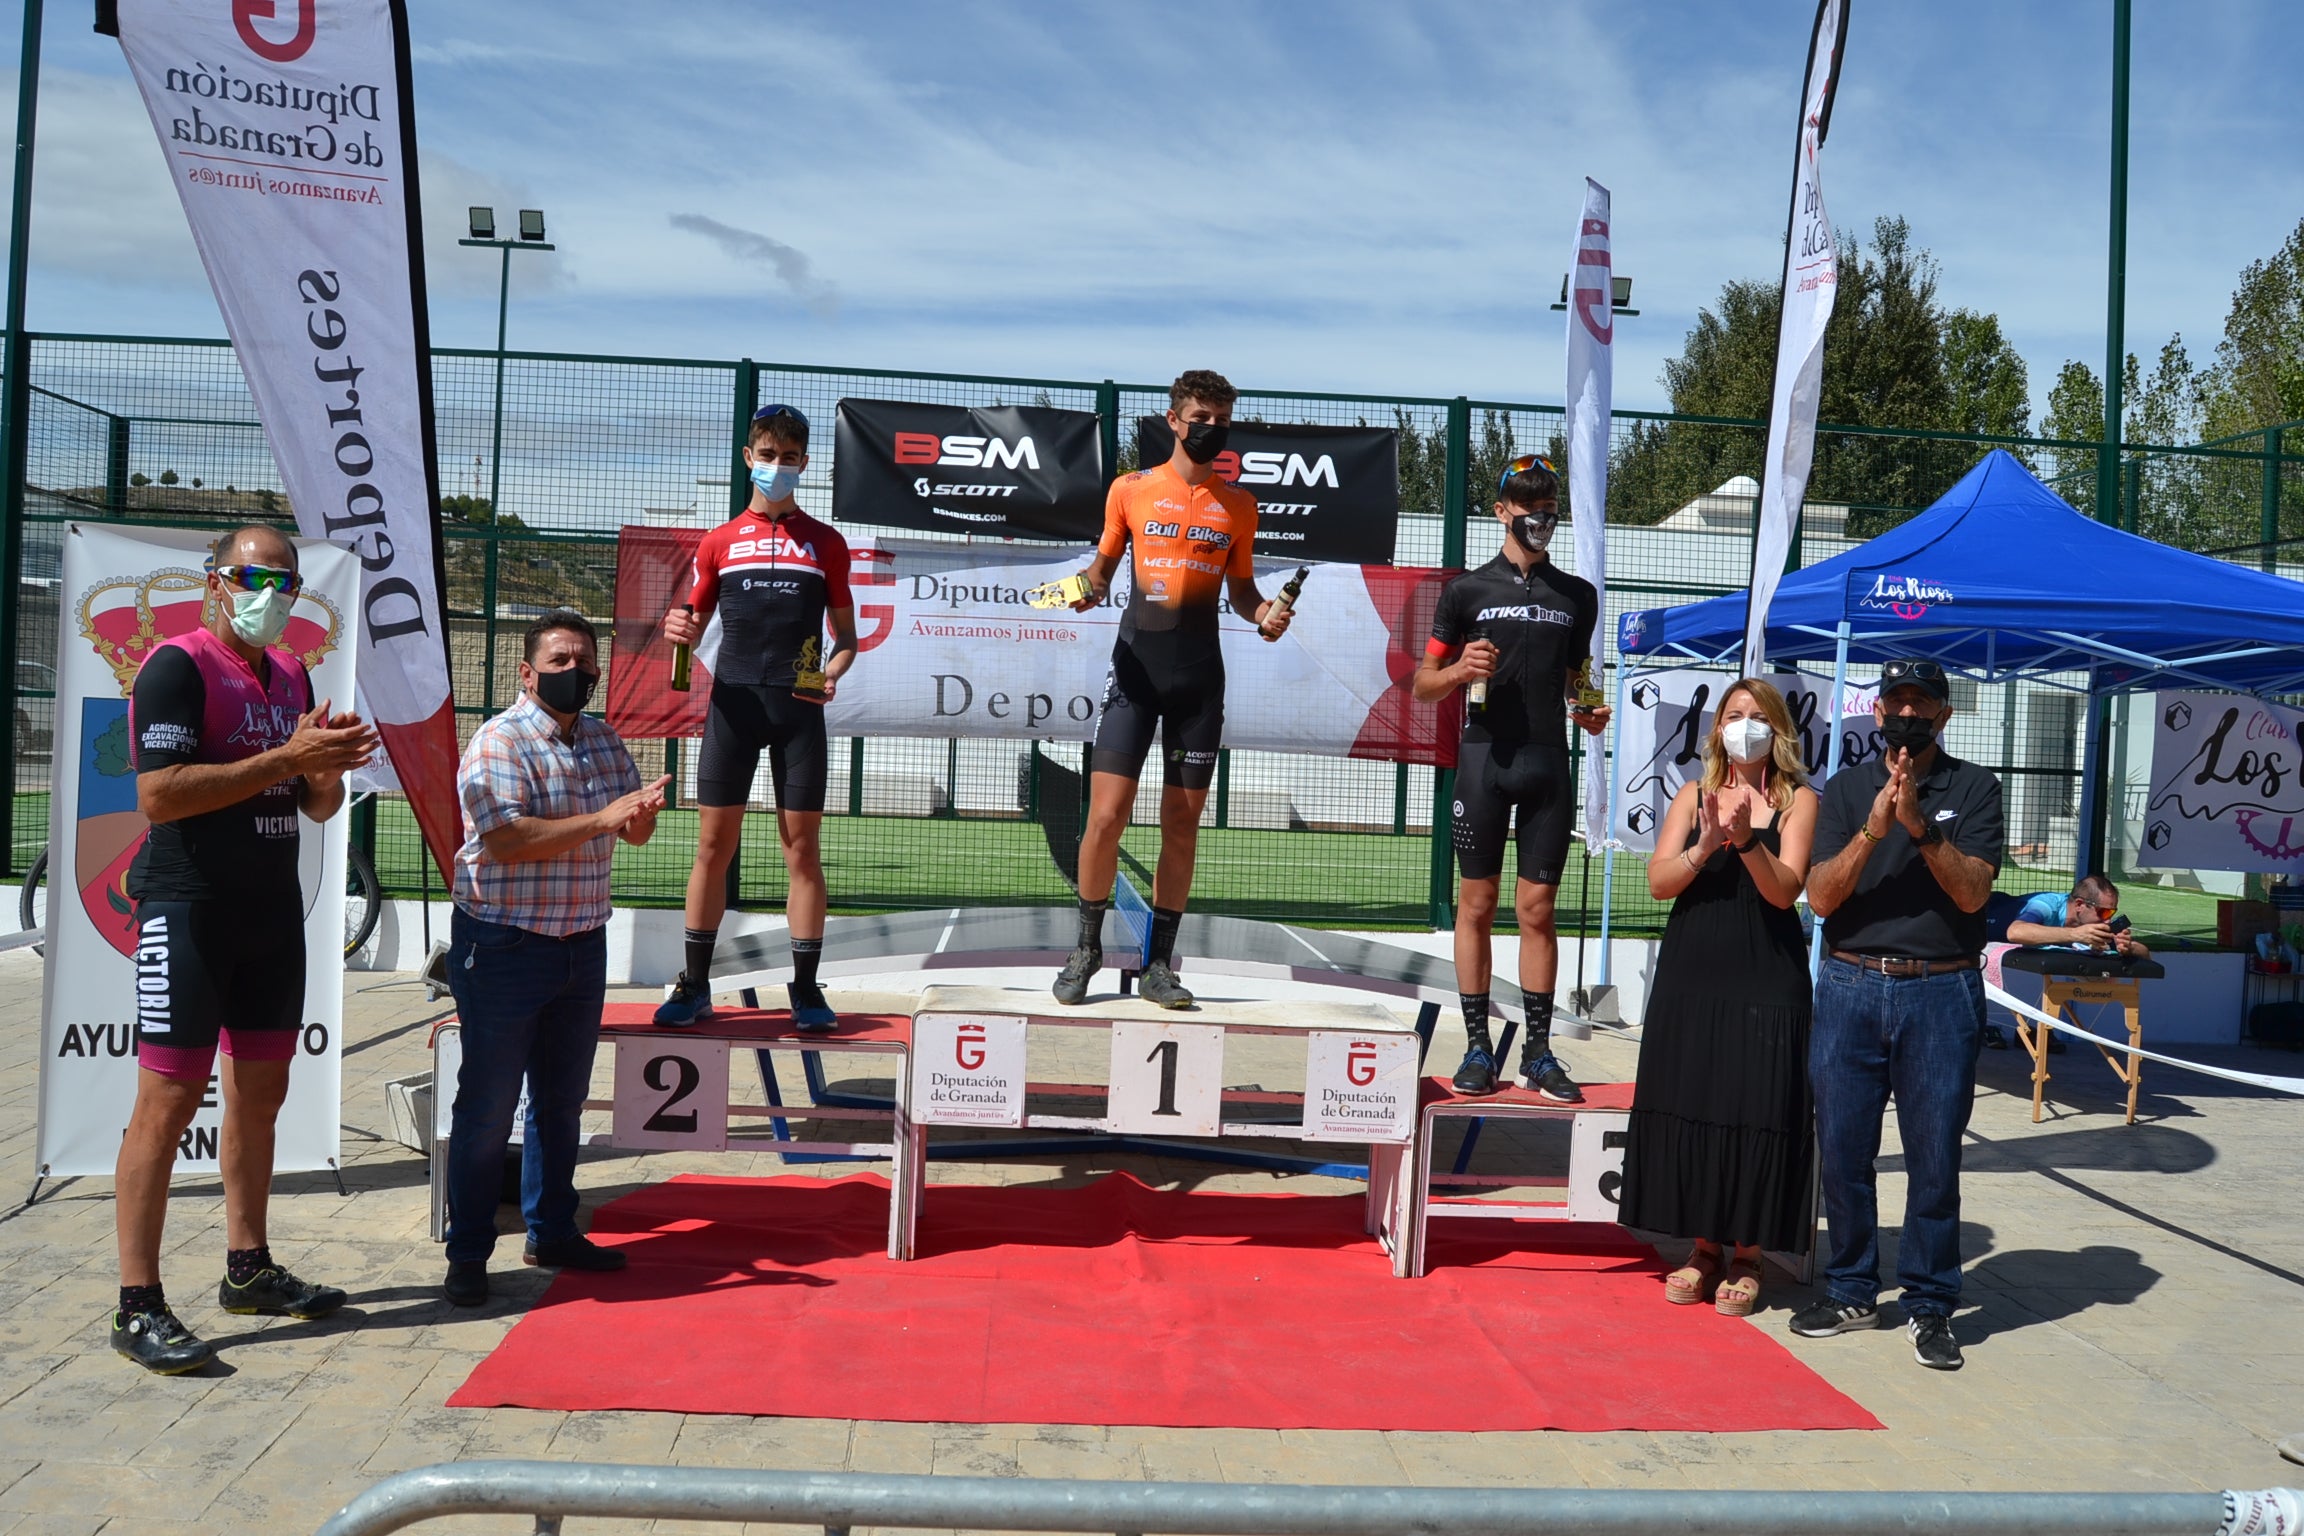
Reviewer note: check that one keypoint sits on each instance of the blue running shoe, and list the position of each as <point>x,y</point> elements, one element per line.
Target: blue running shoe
<point>1549,1078</point>
<point>811,1014</point>
<point>1477,1076</point>
<point>689,1005</point>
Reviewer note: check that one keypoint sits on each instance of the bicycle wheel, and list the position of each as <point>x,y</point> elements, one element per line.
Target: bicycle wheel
<point>363,900</point>
<point>32,901</point>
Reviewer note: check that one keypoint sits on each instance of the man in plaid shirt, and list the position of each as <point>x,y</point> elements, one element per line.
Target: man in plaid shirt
<point>547,790</point>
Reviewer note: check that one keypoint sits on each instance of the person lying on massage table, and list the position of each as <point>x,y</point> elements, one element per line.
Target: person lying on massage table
<point>2054,920</point>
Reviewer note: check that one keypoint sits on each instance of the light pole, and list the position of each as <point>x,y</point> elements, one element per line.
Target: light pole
<point>483,223</point>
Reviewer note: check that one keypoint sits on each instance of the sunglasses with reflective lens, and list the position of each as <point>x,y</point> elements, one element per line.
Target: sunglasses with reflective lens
<point>793,411</point>
<point>1522,465</point>
<point>262,578</point>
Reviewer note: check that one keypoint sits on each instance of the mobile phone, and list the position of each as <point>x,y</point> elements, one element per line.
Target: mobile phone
<point>2119,925</point>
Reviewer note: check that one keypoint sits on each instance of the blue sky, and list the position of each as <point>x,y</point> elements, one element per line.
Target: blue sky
<point>1343,195</point>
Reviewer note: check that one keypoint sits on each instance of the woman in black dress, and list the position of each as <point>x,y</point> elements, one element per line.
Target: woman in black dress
<point>1719,1146</point>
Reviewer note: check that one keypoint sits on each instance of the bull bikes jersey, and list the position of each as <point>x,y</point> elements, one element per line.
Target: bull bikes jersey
<point>1541,625</point>
<point>197,700</point>
<point>772,579</point>
<point>1183,541</point>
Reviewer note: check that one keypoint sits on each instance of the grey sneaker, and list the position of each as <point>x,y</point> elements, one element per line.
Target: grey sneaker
<point>1160,986</point>
<point>1932,1342</point>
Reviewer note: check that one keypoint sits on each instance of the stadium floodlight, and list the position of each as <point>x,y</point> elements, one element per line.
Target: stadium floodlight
<point>1619,295</point>
<point>483,223</point>
<point>531,223</point>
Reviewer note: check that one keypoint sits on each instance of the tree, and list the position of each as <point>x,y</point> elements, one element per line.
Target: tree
<point>167,477</point>
<point>1893,357</point>
<point>2258,380</point>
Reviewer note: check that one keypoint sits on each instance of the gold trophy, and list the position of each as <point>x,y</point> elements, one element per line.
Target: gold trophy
<point>1587,696</point>
<point>1062,593</point>
<point>808,680</point>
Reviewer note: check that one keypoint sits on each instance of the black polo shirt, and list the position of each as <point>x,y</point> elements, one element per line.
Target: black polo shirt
<point>1898,908</point>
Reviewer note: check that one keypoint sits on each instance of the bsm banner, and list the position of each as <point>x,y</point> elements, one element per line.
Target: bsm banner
<point>1322,493</point>
<point>950,645</point>
<point>2227,785</point>
<point>121,595</point>
<point>1668,714</point>
<point>1011,472</point>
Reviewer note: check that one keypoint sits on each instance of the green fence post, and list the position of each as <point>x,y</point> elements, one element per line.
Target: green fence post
<point>16,419</point>
<point>2268,529</point>
<point>2130,493</point>
<point>747,401</point>
<point>116,463</point>
<point>855,775</point>
<point>1108,428</point>
<point>1223,788</point>
<point>1399,799</point>
<point>1455,508</point>
<point>952,776</point>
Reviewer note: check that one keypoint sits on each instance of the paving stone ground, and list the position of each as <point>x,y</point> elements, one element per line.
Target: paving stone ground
<point>2134,1319</point>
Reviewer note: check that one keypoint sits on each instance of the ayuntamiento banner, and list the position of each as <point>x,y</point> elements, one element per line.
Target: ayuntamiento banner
<point>1667,715</point>
<point>950,646</point>
<point>289,134</point>
<point>1322,493</point>
<point>121,595</point>
<point>2227,785</point>
<point>1011,472</point>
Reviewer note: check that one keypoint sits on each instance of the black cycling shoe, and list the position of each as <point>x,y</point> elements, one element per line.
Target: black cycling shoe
<point>1161,988</point>
<point>1549,1079</point>
<point>277,1293</point>
<point>1080,968</point>
<point>159,1343</point>
<point>1477,1076</point>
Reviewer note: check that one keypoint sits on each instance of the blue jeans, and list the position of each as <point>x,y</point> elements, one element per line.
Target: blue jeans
<point>530,1007</point>
<point>1916,1038</point>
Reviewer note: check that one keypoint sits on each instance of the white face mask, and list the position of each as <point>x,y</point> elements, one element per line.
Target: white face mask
<point>1746,741</point>
<point>259,618</point>
<point>776,481</point>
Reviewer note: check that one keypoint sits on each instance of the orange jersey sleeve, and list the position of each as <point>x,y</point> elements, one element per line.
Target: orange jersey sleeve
<point>1242,505</point>
<point>1115,537</point>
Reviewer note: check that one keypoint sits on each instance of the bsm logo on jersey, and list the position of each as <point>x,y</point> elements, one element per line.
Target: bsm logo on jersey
<point>966,452</point>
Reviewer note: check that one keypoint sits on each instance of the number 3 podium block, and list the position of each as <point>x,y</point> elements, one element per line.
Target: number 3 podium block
<point>1166,1075</point>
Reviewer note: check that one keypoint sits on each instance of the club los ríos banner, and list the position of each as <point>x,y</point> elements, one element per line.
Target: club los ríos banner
<point>121,595</point>
<point>1322,493</point>
<point>951,646</point>
<point>289,134</point>
<point>1011,472</point>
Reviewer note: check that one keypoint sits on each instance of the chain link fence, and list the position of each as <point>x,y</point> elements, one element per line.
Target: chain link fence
<point>543,457</point>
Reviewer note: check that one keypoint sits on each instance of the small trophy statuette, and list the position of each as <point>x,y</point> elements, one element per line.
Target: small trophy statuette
<point>808,672</point>
<point>1061,593</point>
<point>1587,696</point>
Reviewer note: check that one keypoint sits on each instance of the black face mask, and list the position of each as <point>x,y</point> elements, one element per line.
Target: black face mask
<point>1534,532</point>
<point>1203,440</point>
<point>566,692</point>
<point>1909,733</point>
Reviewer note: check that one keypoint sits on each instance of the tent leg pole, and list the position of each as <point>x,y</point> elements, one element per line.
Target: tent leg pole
<point>1834,710</point>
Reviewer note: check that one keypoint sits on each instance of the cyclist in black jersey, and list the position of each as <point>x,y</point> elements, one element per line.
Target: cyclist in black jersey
<point>775,577</point>
<point>1522,627</point>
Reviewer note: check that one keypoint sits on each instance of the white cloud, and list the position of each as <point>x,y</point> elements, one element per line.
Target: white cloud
<point>102,205</point>
<point>790,264</point>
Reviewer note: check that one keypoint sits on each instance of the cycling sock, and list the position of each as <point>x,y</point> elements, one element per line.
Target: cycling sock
<point>242,1265</point>
<point>142,1298</point>
<point>1538,1041</point>
<point>1092,921</point>
<point>1165,922</point>
<point>1475,1007</point>
<point>805,954</point>
<point>700,944</point>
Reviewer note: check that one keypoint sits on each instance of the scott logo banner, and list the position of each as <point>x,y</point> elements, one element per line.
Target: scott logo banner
<point>122,594</point>
<point>1010,471</point>
<point>1322,493</point>
<point>286,127</point>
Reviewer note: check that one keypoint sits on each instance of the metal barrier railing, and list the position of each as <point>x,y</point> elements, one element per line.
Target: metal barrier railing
<point>839,1502</point>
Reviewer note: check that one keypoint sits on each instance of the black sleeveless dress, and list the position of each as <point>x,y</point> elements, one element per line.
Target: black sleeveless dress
<point>1720,1143</point>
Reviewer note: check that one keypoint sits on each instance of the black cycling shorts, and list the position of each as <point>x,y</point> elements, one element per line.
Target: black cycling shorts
<point>219,968</point>
<point>1495,780</point>
<point>746,717</point>
<point>1184,702</point>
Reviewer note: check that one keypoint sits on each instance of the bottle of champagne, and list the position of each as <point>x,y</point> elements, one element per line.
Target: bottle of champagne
<point>682,656</point>
<point>1286,601</point>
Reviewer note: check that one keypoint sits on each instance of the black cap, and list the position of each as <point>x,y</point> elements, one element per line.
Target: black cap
<point>1912,672</point>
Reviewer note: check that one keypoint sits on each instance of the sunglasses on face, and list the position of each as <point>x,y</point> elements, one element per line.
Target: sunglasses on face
<point>261,578</point>
<point>1522,465</point>
<point>767,411</point>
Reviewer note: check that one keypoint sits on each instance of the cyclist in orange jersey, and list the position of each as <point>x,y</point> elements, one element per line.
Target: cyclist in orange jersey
<point>1189,536</point>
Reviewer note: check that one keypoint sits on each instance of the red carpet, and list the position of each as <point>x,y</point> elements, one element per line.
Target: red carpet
<point>1118,1304</point>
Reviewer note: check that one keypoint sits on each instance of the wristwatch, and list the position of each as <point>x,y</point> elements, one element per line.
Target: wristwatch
<point>1933,836</point>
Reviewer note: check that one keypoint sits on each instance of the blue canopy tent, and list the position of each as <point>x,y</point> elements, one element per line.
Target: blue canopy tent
<point>2002,579</point>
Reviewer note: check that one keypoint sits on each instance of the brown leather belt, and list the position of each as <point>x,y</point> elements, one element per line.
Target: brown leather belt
<point>1897,965</point>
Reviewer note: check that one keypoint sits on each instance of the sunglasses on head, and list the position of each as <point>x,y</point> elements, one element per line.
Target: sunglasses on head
<point>793,411</point>
<point>1910,671</point>
<point>261,578</point>
<point>1520,466</point>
